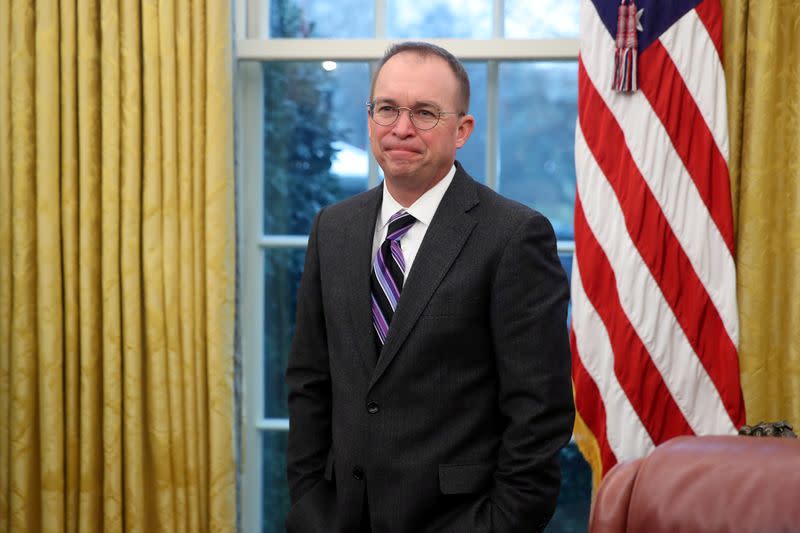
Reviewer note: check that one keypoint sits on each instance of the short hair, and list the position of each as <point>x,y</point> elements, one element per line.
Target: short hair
<point>423,49</point>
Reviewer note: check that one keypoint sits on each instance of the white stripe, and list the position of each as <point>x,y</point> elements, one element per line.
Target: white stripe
<point>689,45</point>
<point>626,434</point>
<point>644,304</point>
<point>670,183</point>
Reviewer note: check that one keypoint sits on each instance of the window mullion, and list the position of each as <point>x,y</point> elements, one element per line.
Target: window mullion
<point>492,133</point>
<point>372,177</point>
<point>498,19</point>
<point>492,80</point>
<point>251,176</point>
<point>257,18</point>
<point>240,19</point>
<point>380,19</point>
<point>371,49</point>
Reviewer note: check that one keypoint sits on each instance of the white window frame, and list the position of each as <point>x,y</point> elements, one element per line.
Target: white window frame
<point>250,171</point>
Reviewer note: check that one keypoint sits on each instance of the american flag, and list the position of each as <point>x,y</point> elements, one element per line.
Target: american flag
<point>654,329</point>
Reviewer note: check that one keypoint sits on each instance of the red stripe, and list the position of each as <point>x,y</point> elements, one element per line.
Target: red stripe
<point>661,251</point>
<point>671,100</point>
<point>710,13</point>
<point>637,375</point>
<point>589,404</point>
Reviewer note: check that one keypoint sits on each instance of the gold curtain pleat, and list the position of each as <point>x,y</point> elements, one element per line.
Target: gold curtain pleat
<point>117,248</point>
<point>762,64</point>
<point>5,263</point>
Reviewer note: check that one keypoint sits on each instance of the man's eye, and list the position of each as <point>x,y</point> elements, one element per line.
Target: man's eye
<point>386,109</point>
<point>425,113</point>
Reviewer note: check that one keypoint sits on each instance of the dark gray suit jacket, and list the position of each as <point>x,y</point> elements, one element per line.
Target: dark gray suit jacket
<point>458,425</point>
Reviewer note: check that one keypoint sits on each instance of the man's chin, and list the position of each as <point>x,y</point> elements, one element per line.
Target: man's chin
<point>400,168</point>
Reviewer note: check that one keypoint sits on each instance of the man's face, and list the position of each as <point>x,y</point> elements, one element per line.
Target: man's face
<point>410,158</point>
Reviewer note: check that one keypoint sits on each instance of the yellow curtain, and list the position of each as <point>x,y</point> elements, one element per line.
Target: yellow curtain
<point>762,64</point>
<point>116,266</point>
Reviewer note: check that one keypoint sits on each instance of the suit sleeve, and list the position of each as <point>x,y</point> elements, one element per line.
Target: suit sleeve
<point>308,380</point>
<point>530,295</point>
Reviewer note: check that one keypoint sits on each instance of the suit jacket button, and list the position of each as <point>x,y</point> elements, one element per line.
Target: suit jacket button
<point>372,408</point>
<point>358,473</point>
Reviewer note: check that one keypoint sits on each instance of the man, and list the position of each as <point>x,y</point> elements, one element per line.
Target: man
<point>429,377</point>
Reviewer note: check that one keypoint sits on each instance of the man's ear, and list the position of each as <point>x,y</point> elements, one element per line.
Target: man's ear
<point>465,127</point>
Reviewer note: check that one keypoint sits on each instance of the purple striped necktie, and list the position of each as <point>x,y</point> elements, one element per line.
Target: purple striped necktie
<point>388,273</point>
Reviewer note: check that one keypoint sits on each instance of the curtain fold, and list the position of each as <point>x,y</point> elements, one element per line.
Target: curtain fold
<point>5,260</point>
<point>116,266</point>
<point>762,63</point>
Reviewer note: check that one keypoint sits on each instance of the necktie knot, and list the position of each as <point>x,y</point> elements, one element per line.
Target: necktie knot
<point>399,224</point>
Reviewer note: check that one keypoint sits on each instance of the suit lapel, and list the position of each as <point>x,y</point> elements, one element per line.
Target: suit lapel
<point>358,250</point>
<point>449,230</point>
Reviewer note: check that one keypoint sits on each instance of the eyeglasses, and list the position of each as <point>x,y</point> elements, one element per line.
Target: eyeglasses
<point>423,117</point>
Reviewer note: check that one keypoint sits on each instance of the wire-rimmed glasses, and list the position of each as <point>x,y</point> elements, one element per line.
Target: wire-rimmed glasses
<point>423,117</point>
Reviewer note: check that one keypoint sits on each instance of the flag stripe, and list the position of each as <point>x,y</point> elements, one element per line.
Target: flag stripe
<point>643,302</point>
<point>637,375</point>
<point>654,314</point>
<point>691,49</point>
<point>590,405</point>
<point>654,155</point>
<point>627,437</point>
<point>668,264</point>
<point>663,86</point>
<point>709,14</point>
<point>705,157</point>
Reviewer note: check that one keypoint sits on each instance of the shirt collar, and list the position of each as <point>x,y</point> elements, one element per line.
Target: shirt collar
<point>425,206</point>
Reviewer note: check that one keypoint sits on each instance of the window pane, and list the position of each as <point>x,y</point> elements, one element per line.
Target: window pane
<point>315,139</point>
<point>275,487</point>
<point>282,269</point>
<point>538,107</point>
<point>544,19</point>
<point>440,18</point>
<point>574,499</point>
<point>320,18</point>
<point>473,155</point>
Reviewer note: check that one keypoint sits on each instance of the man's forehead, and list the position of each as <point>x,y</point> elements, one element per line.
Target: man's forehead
<point>413,58</point>
<point>416,56</point>
<point>416,102</point>
<point>391,84</point>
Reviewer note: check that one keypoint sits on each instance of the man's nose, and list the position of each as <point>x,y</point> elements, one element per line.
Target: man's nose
<point>404,126</point>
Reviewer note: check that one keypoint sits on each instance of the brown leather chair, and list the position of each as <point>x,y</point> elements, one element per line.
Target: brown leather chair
<point>704,484</point>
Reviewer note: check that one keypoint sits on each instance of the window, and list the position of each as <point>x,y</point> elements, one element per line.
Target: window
<point>303,75</point>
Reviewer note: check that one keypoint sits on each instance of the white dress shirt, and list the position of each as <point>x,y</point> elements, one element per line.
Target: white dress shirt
<point>423,210</point>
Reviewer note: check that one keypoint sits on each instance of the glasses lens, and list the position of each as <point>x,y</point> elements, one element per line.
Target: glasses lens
<point>384,114</point>
<point>425,117</point>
